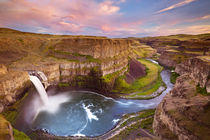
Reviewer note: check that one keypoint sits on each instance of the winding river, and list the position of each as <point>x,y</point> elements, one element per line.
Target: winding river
<point>86,113</point>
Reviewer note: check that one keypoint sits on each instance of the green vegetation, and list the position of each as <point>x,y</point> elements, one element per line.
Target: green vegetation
<point>146,123</point>
<point>179,58</point>
<point>18,135</point>
<point>110,77</point>
<point>63,84</point>
<point>143,51</point>
<point>87,58</point>
<point>143,86</point>
<point>202,90</point>
<point>4,128</point>
<point>174,75</point>
<point>11,113</point>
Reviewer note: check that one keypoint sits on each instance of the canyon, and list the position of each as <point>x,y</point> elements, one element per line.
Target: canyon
<point>97,63</point>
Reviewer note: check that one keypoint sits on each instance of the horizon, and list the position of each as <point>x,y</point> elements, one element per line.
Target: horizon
<point>110,18</point>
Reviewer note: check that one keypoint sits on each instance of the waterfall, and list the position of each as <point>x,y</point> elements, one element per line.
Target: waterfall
<point>40,88</point>
<point>43,78</point>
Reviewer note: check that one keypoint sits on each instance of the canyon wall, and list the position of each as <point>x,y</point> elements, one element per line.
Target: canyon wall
<point>63,59</point>
<point>170,58</point>
<point>12,84</point>
<point>198,69</point>
<point>175,49</point>
<point>184,112</point>
<point>95,47</point>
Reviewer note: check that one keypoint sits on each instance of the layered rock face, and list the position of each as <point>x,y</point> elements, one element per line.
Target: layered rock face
<point>184,113</point>
<point>170,58</point>
<point>97,48</point>
<point>74,57</point>
<point>177,48</point>
<point>198,69</point>
<point>136,70</point>
<point>12,84</point>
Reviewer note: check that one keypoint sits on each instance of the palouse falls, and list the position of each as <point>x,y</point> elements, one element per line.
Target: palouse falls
<point>104,70</point>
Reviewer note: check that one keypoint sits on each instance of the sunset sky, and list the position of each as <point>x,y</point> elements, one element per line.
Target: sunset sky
<point>112,18</point>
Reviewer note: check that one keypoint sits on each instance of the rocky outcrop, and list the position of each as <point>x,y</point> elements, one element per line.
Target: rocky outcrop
<point>183,114</point>
<point>166,59</point>
<point>6,132</point>
<point>136,70</point>
<point>170,58</point>
<point>95,47</point>
<point>198,69</point>
<point>12,84</point>
<point>3,69</point>
<point>68,71</point>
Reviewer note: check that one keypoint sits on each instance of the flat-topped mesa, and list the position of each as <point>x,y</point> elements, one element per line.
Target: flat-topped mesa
<point>95,47</point>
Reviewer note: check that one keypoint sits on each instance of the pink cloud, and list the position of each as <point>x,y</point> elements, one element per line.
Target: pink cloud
<point>59,16</point>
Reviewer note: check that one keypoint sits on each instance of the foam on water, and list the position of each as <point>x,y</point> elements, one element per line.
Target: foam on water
<point>90,114</point>
<point>55,102</point>
<point>79,135</point>
<point>115,121</point>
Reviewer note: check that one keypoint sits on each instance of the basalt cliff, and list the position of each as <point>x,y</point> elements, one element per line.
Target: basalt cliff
<point>175,49</point>
<point>184,112</point>
<point>78,61</point>
<point>92,62</point>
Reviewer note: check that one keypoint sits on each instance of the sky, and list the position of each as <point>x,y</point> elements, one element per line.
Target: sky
<point>112,18</point>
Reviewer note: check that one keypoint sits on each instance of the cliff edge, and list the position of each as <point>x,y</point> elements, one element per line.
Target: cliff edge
<point>184,112</point>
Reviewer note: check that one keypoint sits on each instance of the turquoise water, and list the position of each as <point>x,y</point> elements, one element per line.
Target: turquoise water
<point>87,113</point>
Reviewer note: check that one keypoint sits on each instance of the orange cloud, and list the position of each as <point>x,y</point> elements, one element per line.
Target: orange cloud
<point>167,30</point>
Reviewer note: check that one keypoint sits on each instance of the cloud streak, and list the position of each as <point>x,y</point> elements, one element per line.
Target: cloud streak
<point>185,2</point>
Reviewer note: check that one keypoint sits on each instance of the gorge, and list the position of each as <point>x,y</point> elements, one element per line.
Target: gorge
<point>100,88</point>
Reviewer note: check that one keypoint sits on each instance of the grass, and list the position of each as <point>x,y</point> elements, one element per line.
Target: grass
<point>11,113</point>
<point>144,124</point>
<point>147,124</point>
<point>141,115</point>
<point>18,135</point>
<point>110,77</point>
<point>63,84</point>
<point>143,51</point>
<point>144,85</point>
<point>202,90</point>
<point>174,75</point>
<point>4,131</point>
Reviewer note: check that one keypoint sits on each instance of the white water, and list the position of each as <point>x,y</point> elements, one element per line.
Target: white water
<point>52,103</point>
<point>115,121</point>
<point>40,88</point>
<point>90,114</point>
